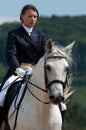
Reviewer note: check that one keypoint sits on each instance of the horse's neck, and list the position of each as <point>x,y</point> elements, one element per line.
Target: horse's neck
<point>38,74</point>
<point>48,114</point>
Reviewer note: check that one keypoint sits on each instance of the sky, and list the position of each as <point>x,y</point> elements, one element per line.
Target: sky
<point>10,9</point>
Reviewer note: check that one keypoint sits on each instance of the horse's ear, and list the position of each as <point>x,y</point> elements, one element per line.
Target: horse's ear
<point>49,45</point>
<point>68,48</point>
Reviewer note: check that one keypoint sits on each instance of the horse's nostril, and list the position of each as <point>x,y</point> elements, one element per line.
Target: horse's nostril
<point>56,99</point>
<point>52,96</point>
<point>61,98</point>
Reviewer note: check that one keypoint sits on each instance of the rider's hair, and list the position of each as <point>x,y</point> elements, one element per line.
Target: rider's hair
<point>27,7</point>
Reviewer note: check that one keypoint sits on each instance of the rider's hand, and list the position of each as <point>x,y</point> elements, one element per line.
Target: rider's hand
<point>29,71</point>
<point>20,72</point>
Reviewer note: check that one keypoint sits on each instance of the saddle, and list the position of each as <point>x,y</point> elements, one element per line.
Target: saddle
<point>13,91</point>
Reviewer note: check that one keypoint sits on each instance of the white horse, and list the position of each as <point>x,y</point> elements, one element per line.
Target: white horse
<point>39,108</point>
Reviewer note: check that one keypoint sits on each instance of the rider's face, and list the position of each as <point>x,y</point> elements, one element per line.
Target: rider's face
<point>29,18</point>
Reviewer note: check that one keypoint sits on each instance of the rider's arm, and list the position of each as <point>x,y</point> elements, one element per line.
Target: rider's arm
<point>11,51</point>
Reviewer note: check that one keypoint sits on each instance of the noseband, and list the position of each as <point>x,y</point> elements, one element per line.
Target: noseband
<point>47,83</point>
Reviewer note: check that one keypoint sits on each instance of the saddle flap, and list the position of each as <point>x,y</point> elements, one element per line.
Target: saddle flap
<point>11,93</point>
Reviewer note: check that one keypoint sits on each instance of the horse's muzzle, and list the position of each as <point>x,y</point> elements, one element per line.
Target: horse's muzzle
<point>56,99</point>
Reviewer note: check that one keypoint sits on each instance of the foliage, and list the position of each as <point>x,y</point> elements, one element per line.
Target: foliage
<point>75,118</point>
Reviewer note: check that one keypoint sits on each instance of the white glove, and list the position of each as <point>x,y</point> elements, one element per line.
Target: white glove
<point>29,71</point>
<point>20,72</point>
<point>63,106</point>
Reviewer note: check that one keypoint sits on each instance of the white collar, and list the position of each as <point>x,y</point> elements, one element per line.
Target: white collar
<point>29,30</point>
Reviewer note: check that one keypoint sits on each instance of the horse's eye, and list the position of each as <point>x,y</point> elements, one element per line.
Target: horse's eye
<point>48,67</point>
<point>67,69</point>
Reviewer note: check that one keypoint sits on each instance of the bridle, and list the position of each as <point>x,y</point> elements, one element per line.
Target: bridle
<point>49,83</point>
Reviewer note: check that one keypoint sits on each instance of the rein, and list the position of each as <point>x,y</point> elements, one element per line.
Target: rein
<point>35,95</point>
<point>37,87</point>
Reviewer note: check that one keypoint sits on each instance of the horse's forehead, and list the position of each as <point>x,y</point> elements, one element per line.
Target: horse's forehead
<point>60,56</point>
<point>57,51</point>
<point>64,62</point>
<point>58,61</point>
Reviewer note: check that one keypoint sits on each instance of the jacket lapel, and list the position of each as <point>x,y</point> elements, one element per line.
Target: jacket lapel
<point>32,39</point>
